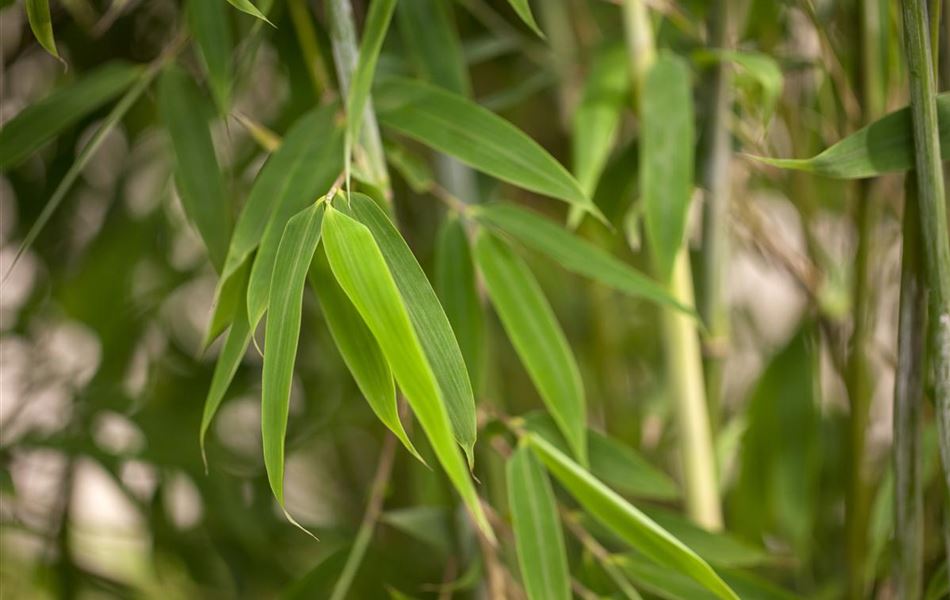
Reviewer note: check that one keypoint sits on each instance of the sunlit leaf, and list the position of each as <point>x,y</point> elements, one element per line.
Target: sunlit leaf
<point>523,9</point>
<point>37,13</point>
<point>884,146</point>
<point>461,128</point>
<point>666,158</point>
<point>626,521</point>
<point>246,6</point>
<point>359,350</point>
<point>185,111</point>
<point>208,21</point>
<point>45,119</point>
<point>539,540</point>
<point>537,337</point>
<point>360,268</point>
<point>428,319</point>
<point>294,254</point>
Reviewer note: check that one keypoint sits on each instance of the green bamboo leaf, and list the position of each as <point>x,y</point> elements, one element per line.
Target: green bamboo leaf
<point>539,540</point>
<point>597,118</point>
<point>377,23</point>
<point>884,146</point>
<point>666,158</point>
<point>232,352</point>
<point>430,37</point>
<point>523,10</point>
<point>246,6</point>
<point>760,68</point>
<point>428,318</point>
<point>412,168</point>
<point>296,249</point>
<point>537,337</point>
<point>231,292</point>
<point>37,13</point>
<point>458,126</point>
<point>208,21</point>
<point>66,106</point>
<point>199,180</point>
<point>359,350</point>
<point>428,524</point>
<point>717,548</point>
<point>311,158</point>
<point>572,252</point>
<point>457,289</point>
<point>625,521</point>
<point>359,266</point>
<point>667,583</point>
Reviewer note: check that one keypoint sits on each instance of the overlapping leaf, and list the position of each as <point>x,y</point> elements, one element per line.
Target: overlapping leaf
<point>248,7</point>
<point>377,23</point>
<point>210,25</point>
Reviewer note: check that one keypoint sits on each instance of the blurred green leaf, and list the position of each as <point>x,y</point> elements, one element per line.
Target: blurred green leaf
<point>37,13</point>
<point>628,523</point>
<point>429,34</point>
<point>537,337</point>
<point>359,350</point>
<point>523,9</point>
<point>667,583</point>
<point>211,27</point>
<point>428,319</point>
<point>377,23</point>
<point>199,181</point>
<point>457,126</point>
<point>65,106</point>
<point>717,548</point>
<point>428,524</point>
<point>294,254</point>
<point>761,68</point>
<point>666,157</point>
<point>360,268</point>
<point>539,540</point>
<point>413,169</point>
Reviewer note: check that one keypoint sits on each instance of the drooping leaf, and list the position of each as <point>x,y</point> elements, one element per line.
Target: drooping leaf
<point>666,158</point>
<point>312,157</point>
<point>626,521</point>
<point>37,13</point>
<point>537,337</point>
<point>361,270</point>
<point>884,146</point>
<point>461,128</point>
<point>199,180</point>
<point>67,105</point>
<point>246,6</point>
<point>294,254</point>
<point>572,252</point>
<point>208,21</point>
<point>457,289</point>
<point>539,540</point>
<point>359,350</point>
<point>428,32</point>
<point>377,23</point>
<point>428,319</point>
<point>523,9</point>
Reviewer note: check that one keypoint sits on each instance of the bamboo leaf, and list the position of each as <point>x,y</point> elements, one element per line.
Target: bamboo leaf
<point>572,252</point>
<point>884,146</point>
<point>428,524</point>
<point>428,319</point>
<point>539,540</point>
<point>760,68</point>
<point>429,35</point>
<point>536,335</point>
<point>37,13</point>
<point>302,170</point>
<point>199,180</point>
<point>458,126</point>
<point>667,583</point>
<point>666,158</point>
<point>377,23</point>
<point>66,106</point>
<point>208,21</point>
<point>294,254</point>
<point>359,350</point>
<point>628,523</point>
<point>457,289</point>
<point>718,548</point>
<point>231,292</point>
<point>246,6</point>
<point>523,10</point>
<point>361,270</point>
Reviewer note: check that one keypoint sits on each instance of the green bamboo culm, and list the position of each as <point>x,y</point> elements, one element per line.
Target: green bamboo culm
<point>933,209</point>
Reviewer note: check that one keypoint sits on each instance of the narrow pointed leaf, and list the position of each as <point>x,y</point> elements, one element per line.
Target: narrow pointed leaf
<point>537,337</point>
<point>208,21</point>
<point>428,319</point>
<point>231,293</point>
<point>539,540</point>
<point>47,118</point>
<point>297,245</point>
<point>200,184</point>
<point>311,158</point>
<point>359,350</point>
<point>37,13</point>
<point>572,252</point>
<point>597,117</point>
<point>459,127</point>
<point>625,521</point>
<point>523,10</point>
<point>246,6</point>
<point>458,292</point>
<point>666,158</point>
<point>358,265</point>
<point>884,146</point>
<point>377,23</point>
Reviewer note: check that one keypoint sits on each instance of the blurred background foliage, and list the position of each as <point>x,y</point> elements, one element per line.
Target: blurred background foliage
<point>101,320</point>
